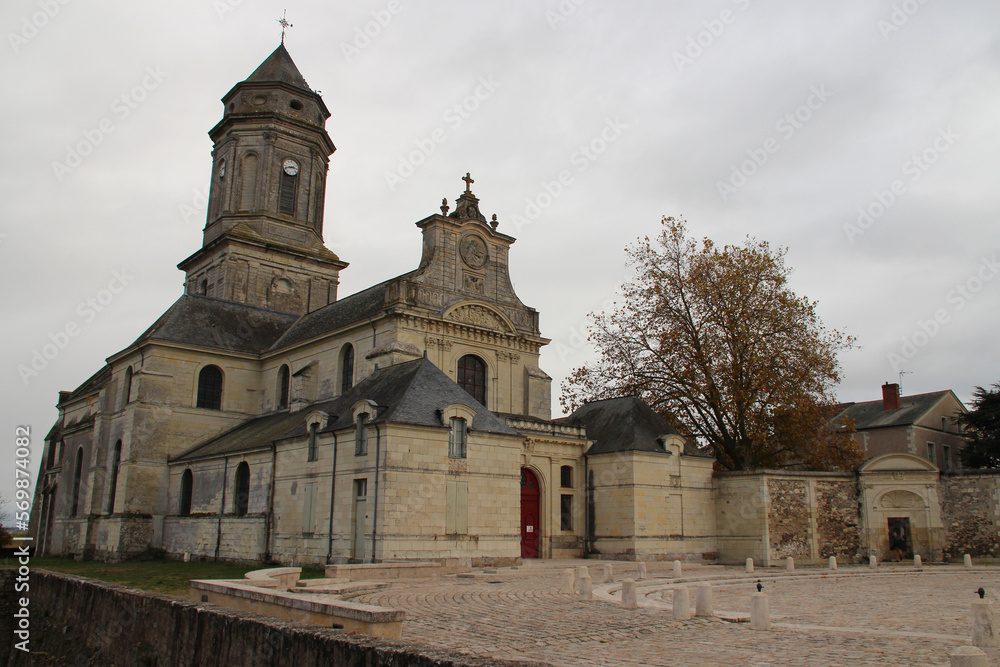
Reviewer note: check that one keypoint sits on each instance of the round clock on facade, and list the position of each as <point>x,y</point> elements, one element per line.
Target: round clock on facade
<point>290,166</point>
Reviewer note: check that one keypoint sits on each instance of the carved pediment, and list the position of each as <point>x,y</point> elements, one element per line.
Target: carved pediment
<point>480,316</point>
<point>900,499</point>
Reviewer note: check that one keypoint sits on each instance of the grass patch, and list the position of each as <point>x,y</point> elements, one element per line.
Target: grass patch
<point>159,576</point>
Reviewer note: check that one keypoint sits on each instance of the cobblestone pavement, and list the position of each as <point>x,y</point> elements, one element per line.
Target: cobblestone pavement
<point>854,616</point>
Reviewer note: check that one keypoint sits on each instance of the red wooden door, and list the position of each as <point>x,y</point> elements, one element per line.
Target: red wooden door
<point>530,494</point>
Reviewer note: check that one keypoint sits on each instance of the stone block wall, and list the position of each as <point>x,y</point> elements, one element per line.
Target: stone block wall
<point>788,518</point>
<point>970,514</point>
<point>837,519</point>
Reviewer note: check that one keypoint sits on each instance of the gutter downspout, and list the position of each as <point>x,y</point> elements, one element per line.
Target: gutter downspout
<point>586,505</point>
<point>270,505</point>
<point>222,508</point>
<point>378,444</point>
<point>333,488</point>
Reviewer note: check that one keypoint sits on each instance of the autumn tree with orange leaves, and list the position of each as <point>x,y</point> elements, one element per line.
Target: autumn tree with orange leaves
<point>715,341</point>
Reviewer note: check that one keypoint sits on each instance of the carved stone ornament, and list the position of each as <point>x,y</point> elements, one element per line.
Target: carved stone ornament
<point>900,499</point>
<point>473,283</point>
<point>478,316</point>
<point>473,250</point>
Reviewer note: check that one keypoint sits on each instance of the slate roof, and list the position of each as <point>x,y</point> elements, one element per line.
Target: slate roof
<point>408,393</point>
<point>216,323</point>
<point>278,67</point>
<point>90,385</point>
<point>872,414</point>
<point>359,306</point>
<point>624,425</point>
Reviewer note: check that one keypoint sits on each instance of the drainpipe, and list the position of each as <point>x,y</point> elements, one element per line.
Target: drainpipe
<point>333,488</point>
<point>378,443</point>
<point>586,506</point>
<point>270,505</point>
<point>222,508</point>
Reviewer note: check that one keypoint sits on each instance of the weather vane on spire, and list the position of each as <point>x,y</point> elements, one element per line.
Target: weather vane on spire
<point>285,25</point>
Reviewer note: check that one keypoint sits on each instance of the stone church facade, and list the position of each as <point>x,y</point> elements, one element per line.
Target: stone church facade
<point>264,418</point>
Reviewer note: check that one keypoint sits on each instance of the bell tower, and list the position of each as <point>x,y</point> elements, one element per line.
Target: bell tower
<point>263,239</point>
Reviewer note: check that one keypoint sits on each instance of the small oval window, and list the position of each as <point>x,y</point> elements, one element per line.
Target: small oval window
<point>295,104</point>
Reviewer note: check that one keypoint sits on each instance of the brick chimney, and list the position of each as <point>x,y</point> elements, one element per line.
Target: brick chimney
<point>890,396</point>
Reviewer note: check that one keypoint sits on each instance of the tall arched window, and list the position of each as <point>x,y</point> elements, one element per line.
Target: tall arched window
<point>249,183</point>
<point>284,380</point>
<point>187,488</point>
<point>127,392</point>
<point>210,388</point>
<point>241,496</point>
<point>472,376</point>
<point>113,489</point>
<point>286,189</point>
<point>77,476</point>
<point>346,368</point>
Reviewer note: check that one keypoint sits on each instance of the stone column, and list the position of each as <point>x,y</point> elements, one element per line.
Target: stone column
<point>984,624</point>
<point>969,656</point>
<point>760,612</point>
<point>749,564</point>
<point>629,598</point>
<point>682,604</point>
<point>704,602</point>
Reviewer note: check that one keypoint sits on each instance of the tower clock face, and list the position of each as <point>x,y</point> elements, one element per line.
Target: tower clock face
<point>290,166</point>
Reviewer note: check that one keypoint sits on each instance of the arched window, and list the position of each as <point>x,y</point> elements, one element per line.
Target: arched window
<point>346,368</point>
<point>210,388</point>
<point>113,489</point>
<point>286,191</point>
<point>127,392</point>
<point>472,376</point>
<point>241,499</point>
<point>284,380</point>
<point>77,476</point>
<point>318,198</point>
<point>187,488</point>
<point>249,183</point>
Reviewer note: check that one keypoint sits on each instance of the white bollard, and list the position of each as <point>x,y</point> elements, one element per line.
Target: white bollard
<point>967,560</point>
<point>833,562</point>
<point>581,572</point>
<point>584,587</point>
<point>682,604</point>
<point>677,568</point>
<point>760,612</point>
<point>608,578</point>
<point>872,562</point>
<point>703,605</point>
<point>917,563</point>
<point>642,571</point>
<point>629,598</point>
<point>790,564</point>
<point>568,581</point>
<point>749,564</point>
<point>984,624</point>
<point>969,656</point>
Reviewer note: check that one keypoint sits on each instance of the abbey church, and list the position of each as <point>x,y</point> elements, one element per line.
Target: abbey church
<point>263,417</point>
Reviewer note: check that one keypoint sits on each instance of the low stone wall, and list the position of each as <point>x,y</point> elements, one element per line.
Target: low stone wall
<point>970,513</point>
<point>81,621</point>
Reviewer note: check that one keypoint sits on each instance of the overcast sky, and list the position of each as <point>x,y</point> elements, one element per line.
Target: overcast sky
<point>862,135</point>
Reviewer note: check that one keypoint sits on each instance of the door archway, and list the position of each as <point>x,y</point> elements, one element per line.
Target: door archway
<point>530,514</point>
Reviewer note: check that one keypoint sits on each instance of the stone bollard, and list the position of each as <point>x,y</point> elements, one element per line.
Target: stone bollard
<point>873,562</point>
<point>967,560</point>
<point>790,564</point>
<point>608,574</point>
<point>629,598</point>
<point>584,586</point>
<point>642,571</point>
<point>917,563</point>
<point>760,612</point>
<point>568,581</point>
<point>682,604</point>
<point>703,605</point>
<point>833,562</point>
<point>581,572</point>
<point>749,564</point>
<point>984,624</point>
<point>969,656</point>
<point>677,568</point>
